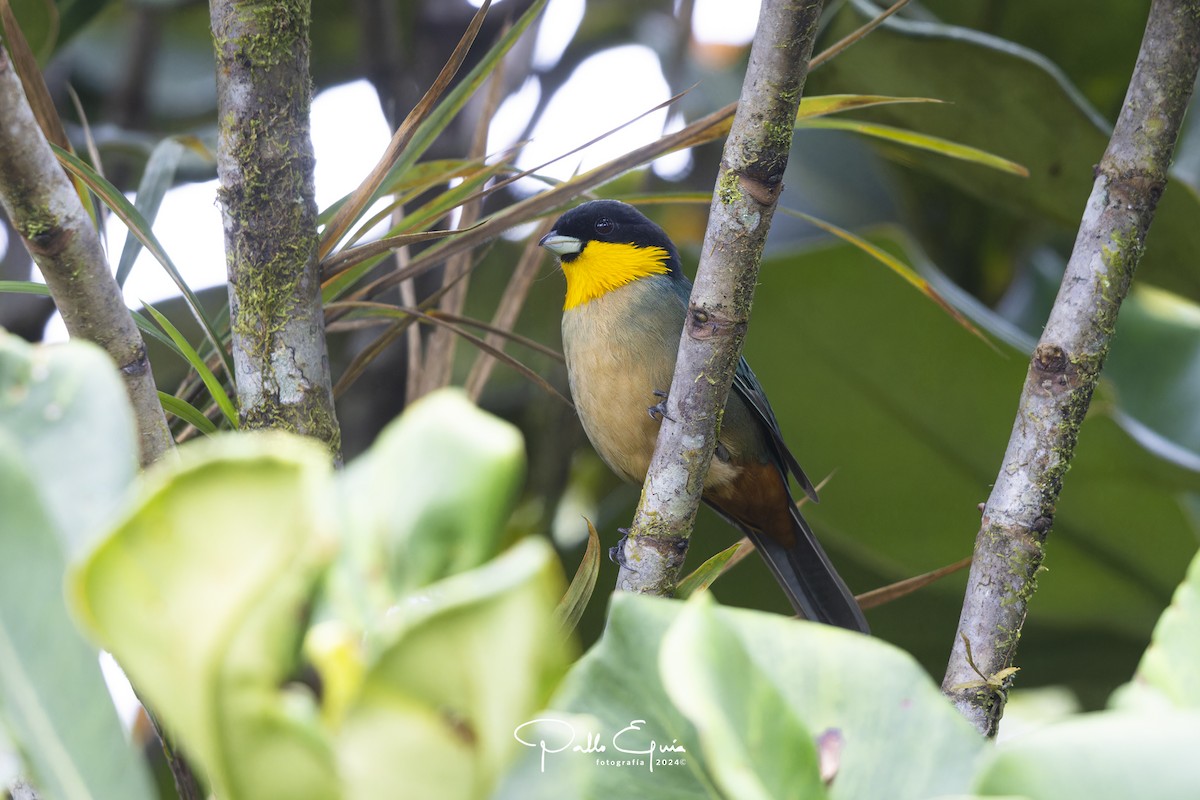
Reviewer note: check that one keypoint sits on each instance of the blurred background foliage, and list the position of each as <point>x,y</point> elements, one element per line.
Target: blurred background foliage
<point>905,410</point>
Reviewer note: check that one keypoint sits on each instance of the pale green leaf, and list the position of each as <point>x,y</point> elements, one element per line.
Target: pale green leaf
<point>429,499</point>
<point>67,451</point>
<point>752,739</point>
<point>460,667</point>
<point>1101,756</point>
<point>200,592</point>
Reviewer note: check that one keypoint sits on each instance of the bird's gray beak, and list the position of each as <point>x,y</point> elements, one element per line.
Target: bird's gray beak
<point>561,245</point>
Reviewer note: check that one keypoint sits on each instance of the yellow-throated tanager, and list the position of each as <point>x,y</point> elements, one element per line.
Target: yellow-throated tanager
<point>626,303</point>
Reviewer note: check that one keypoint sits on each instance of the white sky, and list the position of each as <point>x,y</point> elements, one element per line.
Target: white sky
<point>349,134</point>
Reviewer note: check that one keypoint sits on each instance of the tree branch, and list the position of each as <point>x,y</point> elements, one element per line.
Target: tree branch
<point>1067,361</point>
<point>47,213</point>
<point>265,165</point>
<point>748,186</point>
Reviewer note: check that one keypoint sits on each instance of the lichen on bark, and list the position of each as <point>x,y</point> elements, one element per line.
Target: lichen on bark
<point>265,164</point>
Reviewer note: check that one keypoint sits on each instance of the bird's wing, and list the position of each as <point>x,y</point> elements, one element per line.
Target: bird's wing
<point>748,388</point>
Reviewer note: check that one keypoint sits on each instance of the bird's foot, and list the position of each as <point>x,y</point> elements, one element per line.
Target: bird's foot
<point>616,553</point>
<point>658,411</point>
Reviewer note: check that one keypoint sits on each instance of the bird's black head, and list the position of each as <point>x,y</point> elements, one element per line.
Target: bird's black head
<point>607,221</point>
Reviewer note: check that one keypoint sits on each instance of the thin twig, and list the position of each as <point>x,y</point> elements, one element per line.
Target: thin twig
<point>45,209</point>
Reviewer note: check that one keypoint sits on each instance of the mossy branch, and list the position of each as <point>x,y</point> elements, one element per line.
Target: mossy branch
<point>46,211</point>
<point>747,189</point>
<point>265,165</point>
<point>1067,361</point>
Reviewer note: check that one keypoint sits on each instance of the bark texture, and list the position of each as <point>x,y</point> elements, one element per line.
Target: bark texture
<point>749,182</point>
<point>265,165</point>
<point>1067,361</point>
<point>45,210</point>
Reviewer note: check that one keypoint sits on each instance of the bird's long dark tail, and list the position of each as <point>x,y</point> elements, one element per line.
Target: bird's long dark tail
<point>809,579</point>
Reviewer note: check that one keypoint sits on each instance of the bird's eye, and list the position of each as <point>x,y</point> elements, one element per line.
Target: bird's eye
<point>605,226</point>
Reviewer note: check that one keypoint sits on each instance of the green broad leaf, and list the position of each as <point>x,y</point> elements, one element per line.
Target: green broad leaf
<point>1009,100</point>
<point>753,741</point>
<point>869,379</point>
<point>55,401</point>
<point>460,667</point>
<point>53,698</point>
<point>627,691</point>
<point>201,592</point>
<point>428,500</point>
<point>612,698</point>
<point>891,262</point>
<point>48,26</point>
<point>1169,673</point>
<point>821,673</point>
<point>1101,756</point>
<point>68,399</point>
<point>1154,364</point>
<point>215,389</point>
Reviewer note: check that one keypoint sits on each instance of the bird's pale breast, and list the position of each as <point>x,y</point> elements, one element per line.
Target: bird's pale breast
<point>620,349</point>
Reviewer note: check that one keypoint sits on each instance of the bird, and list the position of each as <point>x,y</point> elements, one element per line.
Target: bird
<point>625,308</point>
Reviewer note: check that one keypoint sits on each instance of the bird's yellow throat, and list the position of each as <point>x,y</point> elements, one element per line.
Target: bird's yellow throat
<point>604,266</point>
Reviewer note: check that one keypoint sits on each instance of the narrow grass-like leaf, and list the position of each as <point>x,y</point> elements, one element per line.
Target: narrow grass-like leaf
<point>704,575</point>
<point>435,318</point>
<point>432,126</point>
<point>570,609</point>
<point>150,329</point>
<point>95,210</point>
<point>140,228</point>
<point>158,176</point>
<point>895,265</point>
<point>425,174</point>
<point>24,287</point>
<point>855,36</point>
<point>193,358</point>
<point>415,219</point>
<point>816,106</point>
<point>187,412</point>
<point>368,354</point>
<point>933,144</point>
<point>349,273</point>
<point>503,333</point>
<point>894,591</point>
<point>361,198</point>
<point>350,257</point>
<point>26,65</point>
<point>36,92</point>
<point>826,104</point>
<point>508,309</point>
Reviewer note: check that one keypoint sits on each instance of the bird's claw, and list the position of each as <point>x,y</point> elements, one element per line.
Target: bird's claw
<point>616,553</point>
<point>658,411</point>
